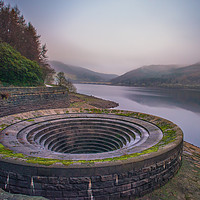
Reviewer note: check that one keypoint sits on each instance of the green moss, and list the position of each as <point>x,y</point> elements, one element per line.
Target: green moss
<point>46,161</point>
<point>37,160</point>
<point>76,104</point>
<point>132,114</point>
<point>18,118</point>
<point>8,153</point>
<point>96,111</point>
<point>116,111</point>
<point>30,120</point>
<point>41,161</point>
<point>169,135</point>
<point>3,126</point>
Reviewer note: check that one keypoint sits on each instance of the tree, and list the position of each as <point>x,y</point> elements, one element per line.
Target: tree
<point>48,74</point>
<point>23,37</point>
<point>62,81</point>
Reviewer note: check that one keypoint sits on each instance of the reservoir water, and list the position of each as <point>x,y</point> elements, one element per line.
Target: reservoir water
<point>180,106</point>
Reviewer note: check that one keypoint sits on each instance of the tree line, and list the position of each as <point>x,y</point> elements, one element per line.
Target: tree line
<point>23,60</point>
<point>23,37</point>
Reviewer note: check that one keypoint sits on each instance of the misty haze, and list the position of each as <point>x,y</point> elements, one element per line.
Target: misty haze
<point>100,99</point>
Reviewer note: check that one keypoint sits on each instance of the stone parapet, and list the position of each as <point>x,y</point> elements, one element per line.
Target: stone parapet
<point>22,99</point>
<point>123,181</point>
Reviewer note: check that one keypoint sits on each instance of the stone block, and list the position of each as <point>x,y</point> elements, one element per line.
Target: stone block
<point>77,180</point>
<point>139,183</point>
<point>70,194</point>
<point>52,194</point>
<point>100,185</point>
<point>97,192</point>
<point>95,179</point>
<point>114,196</point>
<point>123,187</point>
<point>107,178</point>
<point>110,190</point>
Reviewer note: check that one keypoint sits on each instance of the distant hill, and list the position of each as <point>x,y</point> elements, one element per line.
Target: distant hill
<point>161,75</point>
<point>143,73</point>
<point>80,74</point>
<point>185,75</point>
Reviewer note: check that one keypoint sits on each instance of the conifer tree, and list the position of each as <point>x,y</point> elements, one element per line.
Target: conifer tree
<point>23,37</point>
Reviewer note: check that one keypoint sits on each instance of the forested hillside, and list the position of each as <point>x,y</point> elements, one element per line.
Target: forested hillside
<point>162,76</point>
<point>17,70</point>
<point>22,37</point>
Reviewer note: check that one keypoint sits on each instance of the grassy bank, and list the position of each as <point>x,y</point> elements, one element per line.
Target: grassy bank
<point>89,102</point>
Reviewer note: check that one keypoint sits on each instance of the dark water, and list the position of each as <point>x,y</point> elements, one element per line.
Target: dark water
<point>177,105</point>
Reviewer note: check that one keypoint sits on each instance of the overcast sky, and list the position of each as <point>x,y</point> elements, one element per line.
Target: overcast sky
<point>115,36</point>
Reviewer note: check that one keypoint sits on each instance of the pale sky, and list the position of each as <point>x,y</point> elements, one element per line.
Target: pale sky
<point>115,36</point>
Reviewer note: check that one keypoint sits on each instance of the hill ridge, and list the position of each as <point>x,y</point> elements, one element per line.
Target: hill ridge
<point>80,74</point>
<point>161,75</point>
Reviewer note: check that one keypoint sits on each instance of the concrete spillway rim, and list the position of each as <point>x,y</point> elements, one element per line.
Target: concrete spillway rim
<point>161,150</point>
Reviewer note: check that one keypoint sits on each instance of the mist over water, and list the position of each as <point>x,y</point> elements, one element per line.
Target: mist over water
<point>180,106</point>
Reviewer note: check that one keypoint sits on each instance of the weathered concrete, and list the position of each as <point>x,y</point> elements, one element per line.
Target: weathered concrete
<point>77,132</point>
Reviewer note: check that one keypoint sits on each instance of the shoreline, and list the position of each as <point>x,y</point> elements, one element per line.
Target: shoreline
<point>187,87</point>
<point>85,101</point>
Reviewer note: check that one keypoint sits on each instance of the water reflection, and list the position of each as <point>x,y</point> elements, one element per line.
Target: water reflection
<point>186,99</point>
<point>178,105</point>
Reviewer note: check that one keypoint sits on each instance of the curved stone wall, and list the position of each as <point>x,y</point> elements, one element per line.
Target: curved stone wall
<point>94,156</point>
<point>22,99</point>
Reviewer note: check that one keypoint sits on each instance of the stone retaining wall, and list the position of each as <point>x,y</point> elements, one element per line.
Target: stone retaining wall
<point>21,99</point>
<point>121,180</point>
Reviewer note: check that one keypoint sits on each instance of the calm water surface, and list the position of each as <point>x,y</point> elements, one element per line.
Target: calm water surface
<point>177,105</point>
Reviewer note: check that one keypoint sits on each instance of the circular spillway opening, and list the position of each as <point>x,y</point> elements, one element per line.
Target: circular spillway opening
<point>83,136</point>
<point>86,135</point>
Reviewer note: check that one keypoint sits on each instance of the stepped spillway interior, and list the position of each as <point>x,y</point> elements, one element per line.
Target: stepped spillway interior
<point>81,136</point>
